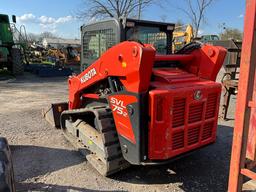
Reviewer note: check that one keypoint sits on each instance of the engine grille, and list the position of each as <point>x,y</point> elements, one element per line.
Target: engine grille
<point>195,113</point>
<point>178,112</point>
<point>200,119</point>
<point>178,140</point>
<point>193,135</point>
<point>211,105</point>
<point>207,130</point>
<point>180,121</point>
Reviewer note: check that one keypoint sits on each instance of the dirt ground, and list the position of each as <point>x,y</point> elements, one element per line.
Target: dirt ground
<point>45,161</point>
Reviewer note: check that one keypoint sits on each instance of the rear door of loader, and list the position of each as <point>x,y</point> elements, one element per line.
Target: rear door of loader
<point>96,39</point>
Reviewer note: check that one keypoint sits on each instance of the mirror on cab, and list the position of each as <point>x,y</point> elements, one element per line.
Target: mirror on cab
<point>14,19</point>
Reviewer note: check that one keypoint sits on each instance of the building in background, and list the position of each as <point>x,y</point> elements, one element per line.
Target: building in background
<point>60,43</point>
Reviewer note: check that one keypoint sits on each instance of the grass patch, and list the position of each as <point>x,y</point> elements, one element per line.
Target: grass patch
<point>48,63</point>
<point>42,62</point>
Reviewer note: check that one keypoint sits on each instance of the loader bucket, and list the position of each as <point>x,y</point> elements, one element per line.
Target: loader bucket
<point>53,112</point>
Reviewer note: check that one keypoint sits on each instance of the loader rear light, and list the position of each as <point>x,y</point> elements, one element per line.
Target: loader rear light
<point>159,116</point>
<point>124,64</point>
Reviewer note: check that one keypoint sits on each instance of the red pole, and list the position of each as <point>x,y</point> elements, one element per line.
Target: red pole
<point>245,92</point>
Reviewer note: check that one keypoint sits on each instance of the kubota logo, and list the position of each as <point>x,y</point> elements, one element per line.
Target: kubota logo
<point>118,106</point>
<point>90,74</point>
<point>198,95</point>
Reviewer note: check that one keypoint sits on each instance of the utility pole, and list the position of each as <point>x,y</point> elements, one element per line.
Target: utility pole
<point>139,9</point>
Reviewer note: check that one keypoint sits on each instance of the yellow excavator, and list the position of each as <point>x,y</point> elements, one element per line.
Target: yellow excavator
<point>182,35</point>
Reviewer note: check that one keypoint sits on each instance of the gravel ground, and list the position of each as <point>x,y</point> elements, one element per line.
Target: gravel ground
<point>45,161</point>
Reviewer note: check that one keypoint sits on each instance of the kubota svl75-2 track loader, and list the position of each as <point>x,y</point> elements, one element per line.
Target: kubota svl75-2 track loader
<point>138,103</point>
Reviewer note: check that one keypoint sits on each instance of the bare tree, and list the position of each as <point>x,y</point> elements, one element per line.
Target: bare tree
<point>231,33</point>
<point>113,8</point>
<point>196,11</point>
<point>47,34</point>
<point>33,37</point>
<point>163,17</point>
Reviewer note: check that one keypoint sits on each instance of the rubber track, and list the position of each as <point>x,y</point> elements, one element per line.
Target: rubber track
<point>113,160</point>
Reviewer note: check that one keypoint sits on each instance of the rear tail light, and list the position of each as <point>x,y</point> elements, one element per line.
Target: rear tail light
<point>159,116</point>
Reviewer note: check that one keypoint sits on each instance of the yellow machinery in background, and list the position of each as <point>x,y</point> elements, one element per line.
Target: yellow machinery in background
<point>182,35</point>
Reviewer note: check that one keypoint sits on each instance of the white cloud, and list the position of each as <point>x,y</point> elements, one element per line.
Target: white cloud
<point>45,23</point>
<point>46,20</point>
<point>50,24</point>
<point>64,19</point>
<point>28,17</point>
<point>200,32</point>
<point>50,20</point>
<point>241,16</point>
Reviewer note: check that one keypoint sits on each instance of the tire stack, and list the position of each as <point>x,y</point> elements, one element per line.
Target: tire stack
<point>6,167</point>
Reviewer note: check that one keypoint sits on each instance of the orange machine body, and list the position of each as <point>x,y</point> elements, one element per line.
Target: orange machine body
<point>166,105</point>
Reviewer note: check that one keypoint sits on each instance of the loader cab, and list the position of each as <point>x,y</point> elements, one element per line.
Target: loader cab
<point>98,37</point>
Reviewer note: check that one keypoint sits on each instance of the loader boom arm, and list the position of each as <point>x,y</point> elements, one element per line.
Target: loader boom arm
<point>125,61</point>
<point>133,63</point>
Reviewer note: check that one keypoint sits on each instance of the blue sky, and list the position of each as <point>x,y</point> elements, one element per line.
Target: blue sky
<point>58,16</point>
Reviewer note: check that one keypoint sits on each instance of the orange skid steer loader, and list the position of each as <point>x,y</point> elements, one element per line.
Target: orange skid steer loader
<point>136,102</point>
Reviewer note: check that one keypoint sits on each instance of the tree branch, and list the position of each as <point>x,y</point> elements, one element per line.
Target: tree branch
<point>196,12</point>
<point>112,8</point>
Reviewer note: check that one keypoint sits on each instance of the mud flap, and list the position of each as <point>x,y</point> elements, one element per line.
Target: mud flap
<point>53,112</point>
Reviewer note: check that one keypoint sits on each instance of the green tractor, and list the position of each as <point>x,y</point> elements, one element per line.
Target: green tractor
<point>10,53</point>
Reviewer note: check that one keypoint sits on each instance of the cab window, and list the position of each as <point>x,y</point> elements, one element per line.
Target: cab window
<point>149,35</point>
<point>95,43</point>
